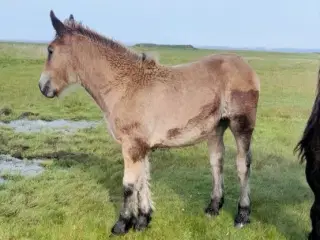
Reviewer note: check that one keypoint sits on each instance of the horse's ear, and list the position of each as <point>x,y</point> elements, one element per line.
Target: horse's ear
<point>57,24</point>
<point>71,18</point>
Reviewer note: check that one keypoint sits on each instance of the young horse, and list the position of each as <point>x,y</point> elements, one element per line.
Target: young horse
<point>308,148</point>
<point>148,105</point>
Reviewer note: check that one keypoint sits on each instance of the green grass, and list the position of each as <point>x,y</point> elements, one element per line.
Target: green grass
<point>79,195</point>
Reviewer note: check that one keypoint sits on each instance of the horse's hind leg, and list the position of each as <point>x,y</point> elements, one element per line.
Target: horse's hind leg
<point>216,152</point>
<point>242,129</point>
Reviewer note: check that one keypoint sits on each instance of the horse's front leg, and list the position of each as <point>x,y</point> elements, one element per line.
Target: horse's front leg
<point>145,207</point>
<point>136,208</point>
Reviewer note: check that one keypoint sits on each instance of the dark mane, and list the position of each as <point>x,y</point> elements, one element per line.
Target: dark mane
<point>308,147</point>
<point>78,28</point>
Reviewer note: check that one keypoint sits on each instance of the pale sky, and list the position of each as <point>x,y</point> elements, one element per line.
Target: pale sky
<point>232,23</point>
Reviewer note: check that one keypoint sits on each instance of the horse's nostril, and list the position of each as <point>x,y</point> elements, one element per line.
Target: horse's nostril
<point>45,86</point>
<point>46,89</point>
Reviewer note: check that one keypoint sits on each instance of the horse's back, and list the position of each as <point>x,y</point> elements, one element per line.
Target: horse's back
<point>234,71</point>
<point>224,72</point>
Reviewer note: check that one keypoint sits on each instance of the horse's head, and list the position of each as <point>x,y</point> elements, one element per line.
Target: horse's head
<point>58,72</point>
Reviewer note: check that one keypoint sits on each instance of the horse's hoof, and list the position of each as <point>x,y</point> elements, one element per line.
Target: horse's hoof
<point>241,220</point>
<point>242,217</point>
<point>140,226</point>
<point>239,225</point>
<point>142,222</point>
<point>121,227</point>
<point>211,212</point>
<point>214,206</point>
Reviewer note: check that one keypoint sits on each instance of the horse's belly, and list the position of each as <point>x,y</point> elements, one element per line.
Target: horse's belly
<point>181,137</point>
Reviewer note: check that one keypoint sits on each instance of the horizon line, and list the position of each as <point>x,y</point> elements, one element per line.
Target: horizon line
<point>209,47</point>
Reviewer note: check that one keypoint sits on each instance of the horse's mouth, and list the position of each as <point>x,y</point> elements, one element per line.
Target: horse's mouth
<point>45,86</point>
<point>47,91</point>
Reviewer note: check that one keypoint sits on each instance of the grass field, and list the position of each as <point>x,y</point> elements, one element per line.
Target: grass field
<point>79,195</point>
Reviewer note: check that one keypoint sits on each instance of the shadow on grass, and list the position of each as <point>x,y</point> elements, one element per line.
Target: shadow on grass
<point>107,173</point>
<point>274,190</point>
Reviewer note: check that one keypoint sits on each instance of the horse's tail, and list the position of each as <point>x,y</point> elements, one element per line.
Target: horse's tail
<point>311,135</point>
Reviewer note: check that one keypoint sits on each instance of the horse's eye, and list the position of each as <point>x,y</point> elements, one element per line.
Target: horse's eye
<point>50,50</point>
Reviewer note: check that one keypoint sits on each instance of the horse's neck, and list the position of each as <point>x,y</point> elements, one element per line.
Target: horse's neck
<point>94,92</point>
<point>100,77</point>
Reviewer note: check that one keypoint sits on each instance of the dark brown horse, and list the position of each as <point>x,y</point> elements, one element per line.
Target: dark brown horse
<point>148,105</point>
<point>309,150</point>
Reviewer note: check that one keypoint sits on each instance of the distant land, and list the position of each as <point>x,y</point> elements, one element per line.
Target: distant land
<point>264,49</point>
<point>182,46</point>
<point>189,46</point>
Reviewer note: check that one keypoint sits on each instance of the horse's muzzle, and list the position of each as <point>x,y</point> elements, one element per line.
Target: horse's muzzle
<point>45,86</point>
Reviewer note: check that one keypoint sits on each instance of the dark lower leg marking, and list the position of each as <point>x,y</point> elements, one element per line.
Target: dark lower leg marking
<point>242,130</point>
<point>123,225</point>
<point>144,199</point>
<point>214,206</point>
<point>126,219</point>
<point>129,197</point>
<point>143,220</point>
<point>242,216</point>
<point>244,206</point>
<point>134,152</point>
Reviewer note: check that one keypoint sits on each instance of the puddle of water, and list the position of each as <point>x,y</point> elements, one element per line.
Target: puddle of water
<point>11,165</point>
<point>66,126</point>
